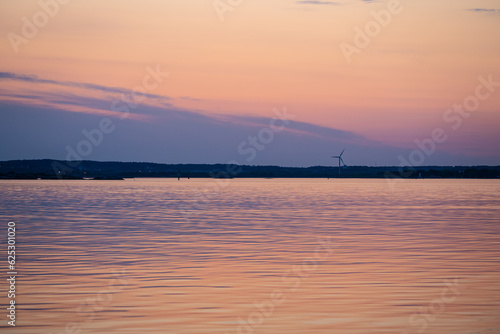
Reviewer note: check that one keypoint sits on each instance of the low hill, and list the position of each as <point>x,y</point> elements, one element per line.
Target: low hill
<point>58,169</point>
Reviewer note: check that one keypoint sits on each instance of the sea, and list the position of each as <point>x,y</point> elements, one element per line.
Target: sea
<point>312,256</point>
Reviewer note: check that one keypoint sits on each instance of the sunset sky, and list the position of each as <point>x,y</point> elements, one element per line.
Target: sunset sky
<point>64,67</point>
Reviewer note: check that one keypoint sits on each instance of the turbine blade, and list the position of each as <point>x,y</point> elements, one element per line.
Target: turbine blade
<point>342,152</point>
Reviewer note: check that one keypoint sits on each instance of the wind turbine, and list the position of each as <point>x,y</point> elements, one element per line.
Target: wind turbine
<point>340,159</point>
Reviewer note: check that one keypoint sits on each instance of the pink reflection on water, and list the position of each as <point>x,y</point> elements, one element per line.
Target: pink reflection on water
<point>246,262</point>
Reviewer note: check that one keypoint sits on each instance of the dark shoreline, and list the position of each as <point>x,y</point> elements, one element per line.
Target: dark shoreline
<point>79,170</point>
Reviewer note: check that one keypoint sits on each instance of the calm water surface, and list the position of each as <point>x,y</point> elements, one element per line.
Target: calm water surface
<point>254,256</point>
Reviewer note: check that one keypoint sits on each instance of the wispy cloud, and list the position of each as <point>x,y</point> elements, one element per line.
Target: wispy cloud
<point>301,128</point>
<point>36,79</point>
<point>485,10</point>
<point>78,97</point>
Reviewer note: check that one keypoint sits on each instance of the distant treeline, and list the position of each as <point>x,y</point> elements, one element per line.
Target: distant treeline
<point>57,169</point>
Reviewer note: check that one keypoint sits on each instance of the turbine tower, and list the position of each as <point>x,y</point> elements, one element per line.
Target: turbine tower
<point>340,159</point>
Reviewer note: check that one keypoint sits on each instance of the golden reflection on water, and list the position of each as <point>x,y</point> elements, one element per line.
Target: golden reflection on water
<point>256,256</point>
